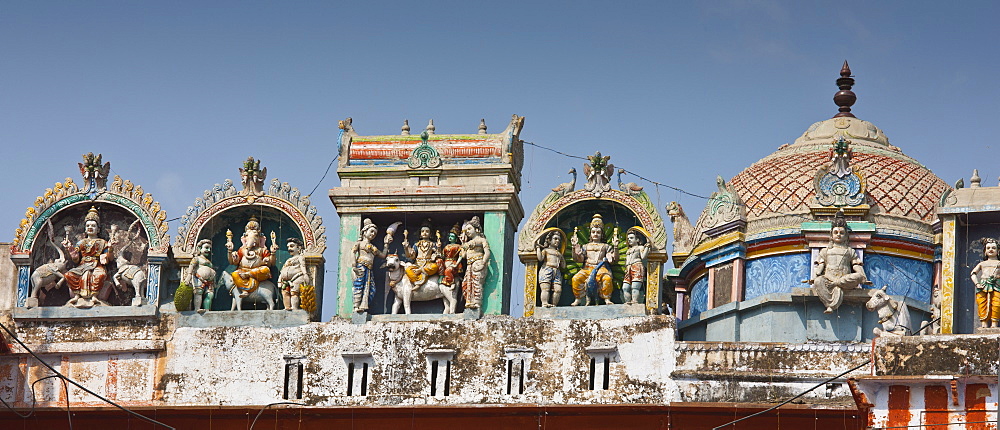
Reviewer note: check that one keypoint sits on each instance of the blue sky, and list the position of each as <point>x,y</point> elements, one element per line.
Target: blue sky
<point>177,94</point>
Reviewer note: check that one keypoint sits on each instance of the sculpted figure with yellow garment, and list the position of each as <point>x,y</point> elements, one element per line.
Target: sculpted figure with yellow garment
<point>91,256</point>
<point>253,259</point>
<point>425,253</point>
<point>594,279</point>
<point>987,281</point>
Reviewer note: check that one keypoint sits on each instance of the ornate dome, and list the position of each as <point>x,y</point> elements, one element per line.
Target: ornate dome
<point>782,183</point>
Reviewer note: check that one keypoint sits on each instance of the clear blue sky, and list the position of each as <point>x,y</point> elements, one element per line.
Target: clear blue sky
<point>176,94</point>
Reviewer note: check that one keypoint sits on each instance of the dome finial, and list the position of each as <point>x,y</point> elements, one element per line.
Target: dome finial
<point>845,98</point>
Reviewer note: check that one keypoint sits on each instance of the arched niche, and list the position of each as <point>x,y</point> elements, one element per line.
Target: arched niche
<point>575,210</point>
<point>278,206</point>
<point>142,243</point>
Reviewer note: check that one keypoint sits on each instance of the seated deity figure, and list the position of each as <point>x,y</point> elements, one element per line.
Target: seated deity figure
<point>201,276</point>
<point>987,282</point>
<point>253,259</point>
<point>364,260</point>
<point>635,264</point>
<point>549,250</point>
<point>452,257</point>
<point>838,267</point>
<point>91,257</point>
<point>293,274</point>
<point>476,252</point>
<point>594,279</point>
<point>425,253</point>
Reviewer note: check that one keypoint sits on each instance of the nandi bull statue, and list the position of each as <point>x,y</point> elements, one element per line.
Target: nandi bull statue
<point>406,292</point>
<point>893,315</point>
<point>251,281</point>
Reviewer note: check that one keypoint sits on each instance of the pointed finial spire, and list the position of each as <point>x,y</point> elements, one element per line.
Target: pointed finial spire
<point>406,127</point>
<point>975,179</point>
<point>430,127</point>
<point>845,98</point>
<point>482,126</point>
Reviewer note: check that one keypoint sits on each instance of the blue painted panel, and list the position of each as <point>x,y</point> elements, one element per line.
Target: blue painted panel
<point>775,274</point>
<point>699,297</point>
<point>23,285</point>
<point>905,277</point>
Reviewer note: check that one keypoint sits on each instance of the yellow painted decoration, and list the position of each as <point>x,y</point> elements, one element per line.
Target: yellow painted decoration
<point>948,276</point>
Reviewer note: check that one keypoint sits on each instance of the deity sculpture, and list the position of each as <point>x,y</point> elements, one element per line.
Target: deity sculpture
<point>253,260</point>
<point>90,254</point>
<point>364,260</point>
<point>425,253</point>
<point>598,173</point>
<point>635,264</point>
<point>453,266</point>
<point>838,267</point>
<point>549,249</point>
<point>987,282</point>
<point>293,274</point>
<point>476,252</point>
<point>201,277</point>
<point>594,279</point>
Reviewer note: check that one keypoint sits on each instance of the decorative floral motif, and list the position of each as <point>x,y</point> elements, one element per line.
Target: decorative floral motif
<point>838,184</point>
<point>775,274</point>
<point>424,155</point>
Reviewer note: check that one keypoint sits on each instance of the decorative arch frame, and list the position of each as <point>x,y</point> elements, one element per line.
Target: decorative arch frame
<point>121,193</point>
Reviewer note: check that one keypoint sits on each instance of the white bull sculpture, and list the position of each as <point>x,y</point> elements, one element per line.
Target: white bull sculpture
<point>405,293</point>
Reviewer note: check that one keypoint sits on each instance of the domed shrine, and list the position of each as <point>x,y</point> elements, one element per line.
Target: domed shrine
<point>765,260</point>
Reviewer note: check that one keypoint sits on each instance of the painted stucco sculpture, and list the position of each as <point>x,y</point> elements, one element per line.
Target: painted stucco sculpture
<point>201,276</point>
<point>594,279</point>
<point>425,253</point>
<point>100,245</point>
<point>276,208</point>
<point>549,250</point>
<point>407,292</point>
<point>574,213</point>
<point>448,179</point>
<point>636,259</point>
<point>893,315</point>
<point>987,282</point>
<point>251,280</point>
<point>476,253</point>
<point>294,274</point>
<point>364,253</point>
<point>838,267</point>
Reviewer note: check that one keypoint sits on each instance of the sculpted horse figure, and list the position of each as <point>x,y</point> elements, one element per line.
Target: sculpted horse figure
<point>405,292</point>
<point>893,315</point>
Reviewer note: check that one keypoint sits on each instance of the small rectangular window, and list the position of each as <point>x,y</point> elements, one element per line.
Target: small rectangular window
<point>359,365</point>
<point>294,369</point>
<point>439,371</point>
<point>601,356</point>
<point>518,361</point>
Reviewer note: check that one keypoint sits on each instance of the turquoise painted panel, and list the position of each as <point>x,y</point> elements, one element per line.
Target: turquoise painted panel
<point>775,274</point>
<point>699,297</point>
<point>904,276</point>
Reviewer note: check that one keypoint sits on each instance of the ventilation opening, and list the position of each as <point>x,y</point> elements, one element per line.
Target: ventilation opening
<point>439,371</point>
<point>601,356</point>
<point>517,360</point>
<point>359,365</point>
<point>294,369</point>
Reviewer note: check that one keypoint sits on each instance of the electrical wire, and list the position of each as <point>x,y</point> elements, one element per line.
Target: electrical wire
<point>268,406</point>
<point>77,384</point>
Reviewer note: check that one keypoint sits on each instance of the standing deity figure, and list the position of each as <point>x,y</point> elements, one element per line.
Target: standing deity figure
<point>452,257</point>
<point>425,253</point>
<point>253,259</point>
<point>594,279</point>
<point>364,260</point>
<point>91,256</point>
<point>987,282</point>
<point>838,267</point>
<point>293,274</point>
<point>476,252</point>
<point>549,249</point>
<point>201,276</point>
<point>635,264</point>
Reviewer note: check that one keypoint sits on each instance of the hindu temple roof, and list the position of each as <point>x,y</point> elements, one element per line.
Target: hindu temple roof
<point>783,182</point>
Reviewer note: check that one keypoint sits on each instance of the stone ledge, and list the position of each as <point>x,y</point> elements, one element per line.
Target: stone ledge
<point>107,346</point>
<point>263,318</point>
<point>99,312</point>
<point>590,312</point>
<point>418,317</point>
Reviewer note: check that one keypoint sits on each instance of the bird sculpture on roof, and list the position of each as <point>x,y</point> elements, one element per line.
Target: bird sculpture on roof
<point>629,188</point>
<point>566,187</point>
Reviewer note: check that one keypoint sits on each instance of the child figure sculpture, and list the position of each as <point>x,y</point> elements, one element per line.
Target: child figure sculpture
<point>549,250</point>
<point>635,265</point>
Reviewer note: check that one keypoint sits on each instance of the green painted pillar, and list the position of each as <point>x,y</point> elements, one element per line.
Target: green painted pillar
<point>499,234</point>
<point>350,232</point>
